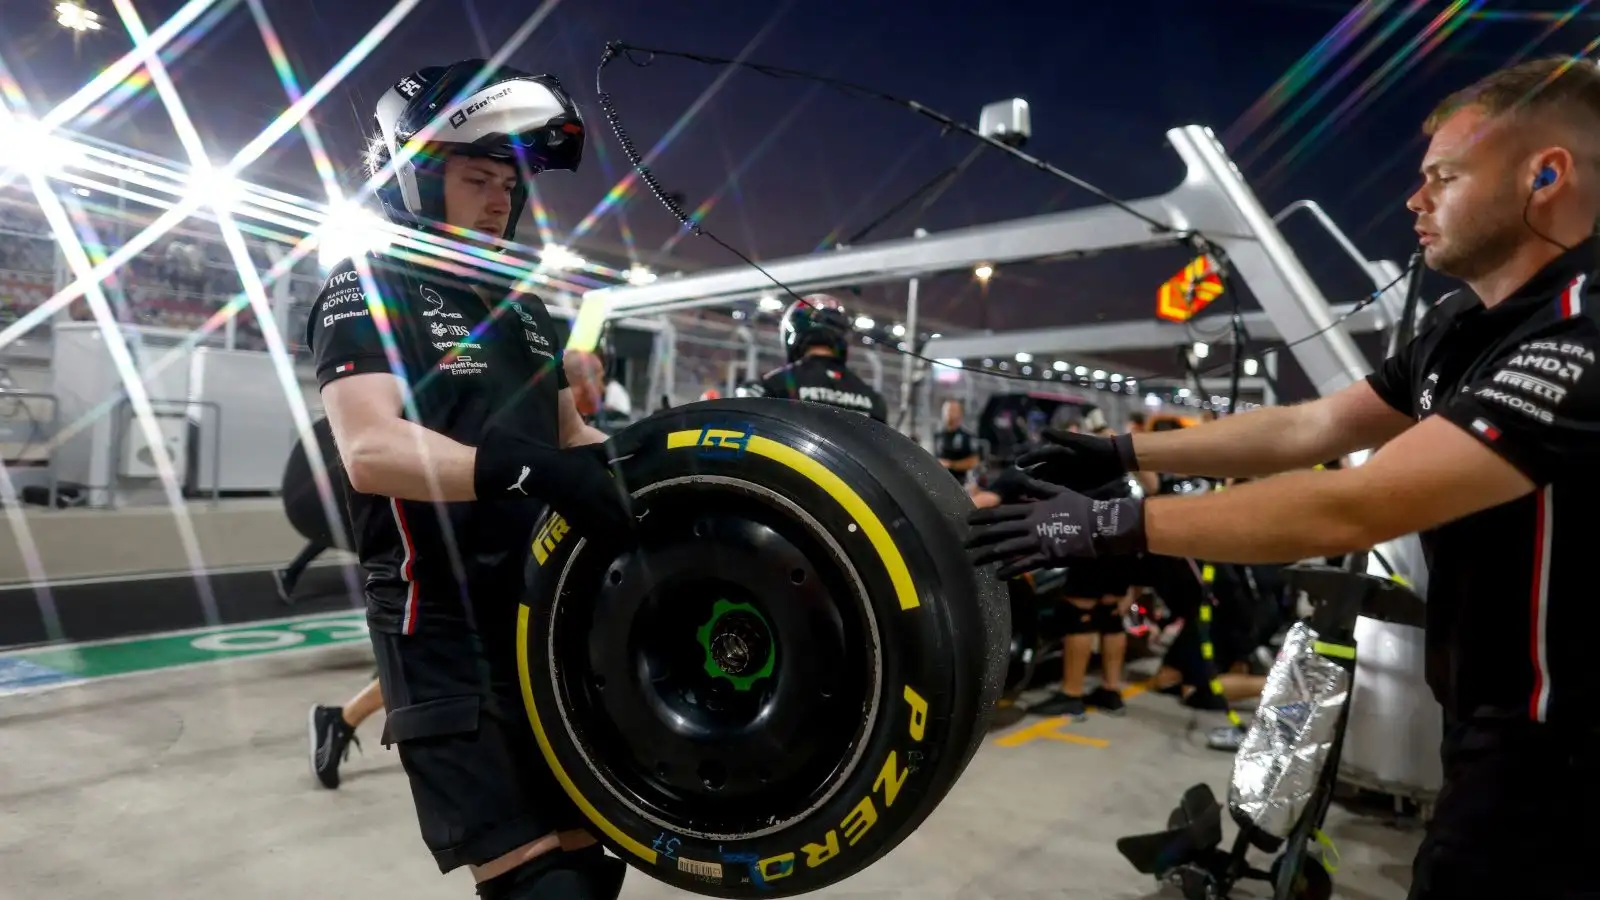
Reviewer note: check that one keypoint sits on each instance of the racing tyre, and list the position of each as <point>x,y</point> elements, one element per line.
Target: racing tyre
<point>1023,650</point>
<point>786,676</point>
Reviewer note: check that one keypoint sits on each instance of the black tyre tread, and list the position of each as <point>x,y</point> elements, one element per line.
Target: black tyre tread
<point>925,493</point>
<point>921,477</point>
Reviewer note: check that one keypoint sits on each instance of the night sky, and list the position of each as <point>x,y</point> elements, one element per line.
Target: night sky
<point>1105,80</point>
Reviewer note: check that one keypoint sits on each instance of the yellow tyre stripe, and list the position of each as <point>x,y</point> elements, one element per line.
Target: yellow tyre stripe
<point>869,523</point>
<point>722,439</point>
<point>604,824</point>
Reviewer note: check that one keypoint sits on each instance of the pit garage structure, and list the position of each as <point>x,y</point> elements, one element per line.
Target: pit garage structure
<point>1392,738</point>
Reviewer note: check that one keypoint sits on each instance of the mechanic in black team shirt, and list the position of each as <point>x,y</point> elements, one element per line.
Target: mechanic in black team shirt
<point>955,446</point>
<point>1489,428</point>
<point>816,338</point>
<point>454,421</point>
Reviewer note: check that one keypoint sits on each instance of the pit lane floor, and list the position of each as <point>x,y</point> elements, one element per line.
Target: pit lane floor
<point>193,783</point>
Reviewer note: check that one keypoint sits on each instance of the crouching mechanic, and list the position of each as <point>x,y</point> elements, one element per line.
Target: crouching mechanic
<point>816,333</point>
<point>454,421</point>
<point>1489,426</point>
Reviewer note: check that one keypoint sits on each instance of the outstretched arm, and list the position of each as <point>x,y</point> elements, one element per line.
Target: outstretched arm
<point>1275,438</point>
<point>1433,473</point>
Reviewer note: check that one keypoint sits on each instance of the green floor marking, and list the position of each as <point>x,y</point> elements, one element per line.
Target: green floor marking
<point>208,645</point>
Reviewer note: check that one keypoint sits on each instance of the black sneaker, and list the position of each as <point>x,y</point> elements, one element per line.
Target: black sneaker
<point>1203,699</point>
<point>1106,700</point>
<point>1060,705</point>
<point>331,737</point>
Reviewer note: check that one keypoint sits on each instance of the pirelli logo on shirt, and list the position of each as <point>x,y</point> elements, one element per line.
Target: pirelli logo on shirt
<point>1528,384</point>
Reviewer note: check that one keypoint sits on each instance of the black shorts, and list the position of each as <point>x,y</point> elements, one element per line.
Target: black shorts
<point>1097,578</point>
<point>1515,817</point>
<point>478,779</point>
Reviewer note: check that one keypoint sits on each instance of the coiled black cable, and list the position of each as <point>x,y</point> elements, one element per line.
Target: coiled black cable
<point>642,56</point>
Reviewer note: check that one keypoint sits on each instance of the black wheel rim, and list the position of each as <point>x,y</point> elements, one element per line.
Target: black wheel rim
<point>718,679</point>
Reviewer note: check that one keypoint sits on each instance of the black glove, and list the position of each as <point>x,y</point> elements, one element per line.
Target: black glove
<point>576,482</point>
<point>1047,533</point>
<point>1080,462</point>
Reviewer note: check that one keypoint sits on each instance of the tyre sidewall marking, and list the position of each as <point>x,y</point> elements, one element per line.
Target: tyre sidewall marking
<point>888,775</point>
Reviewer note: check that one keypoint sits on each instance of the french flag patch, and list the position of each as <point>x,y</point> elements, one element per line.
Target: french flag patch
<point>343,367</point>
<point>1484,428</point>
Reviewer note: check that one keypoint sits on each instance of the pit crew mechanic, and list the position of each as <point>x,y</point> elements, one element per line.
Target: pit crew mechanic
<point>816,332</point>
<point>955,446</point>
<point>453,418</point>
<point>1490,433</point>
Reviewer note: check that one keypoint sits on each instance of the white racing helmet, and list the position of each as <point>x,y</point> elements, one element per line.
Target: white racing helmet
<point>466,108</point>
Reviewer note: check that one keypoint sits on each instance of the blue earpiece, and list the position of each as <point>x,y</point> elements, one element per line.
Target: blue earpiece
<point>1547,176</point>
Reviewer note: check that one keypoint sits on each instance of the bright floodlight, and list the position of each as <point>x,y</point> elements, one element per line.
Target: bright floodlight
<point>1059,366</point>
<point>769,303</point>
<point>898,330</point>
<point>640,275</point>
<point>349,231</point>
<point>864,323</point>
<point>1201,350</point>
<point>983,272</point>
<point>28,146</point>
<point>559,259</point>
<point>216,187</point>
<point>73,17</point>
<point>1024,357</point>
<point>1250,367</point>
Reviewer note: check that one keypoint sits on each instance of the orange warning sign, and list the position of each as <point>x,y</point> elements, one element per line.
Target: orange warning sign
<point>1189,291</point>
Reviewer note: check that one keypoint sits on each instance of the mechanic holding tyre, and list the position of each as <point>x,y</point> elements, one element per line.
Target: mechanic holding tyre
<point>816,332</point>
<point>455,424</point>
<point>1489,429</point>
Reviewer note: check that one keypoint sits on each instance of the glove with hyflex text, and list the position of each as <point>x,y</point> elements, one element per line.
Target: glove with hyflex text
<point>576,482</point>
<point>1080,462</point>
<point>1046,533</point>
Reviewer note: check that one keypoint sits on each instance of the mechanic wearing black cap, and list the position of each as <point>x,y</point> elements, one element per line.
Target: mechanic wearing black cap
<point>453,419</point>
<point>1489,426</point>
<point>816,339</point>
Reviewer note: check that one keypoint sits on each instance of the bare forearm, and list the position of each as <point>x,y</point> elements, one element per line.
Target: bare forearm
<point>586,434</point>
<point>1260,442</point>
<point>1286,518</point>
<point>401,459</point>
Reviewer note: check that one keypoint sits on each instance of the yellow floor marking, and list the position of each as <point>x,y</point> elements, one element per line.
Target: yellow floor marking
<point>1051,729</point>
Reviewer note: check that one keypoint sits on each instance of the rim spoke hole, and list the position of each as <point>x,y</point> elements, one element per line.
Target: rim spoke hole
<point>798,576</point>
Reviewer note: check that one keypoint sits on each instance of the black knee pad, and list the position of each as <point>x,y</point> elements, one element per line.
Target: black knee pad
<point>586,874</point>
<point>1107,620</point>
<point>1077,619</point>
